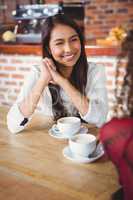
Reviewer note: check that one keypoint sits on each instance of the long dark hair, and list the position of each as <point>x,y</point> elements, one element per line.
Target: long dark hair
<point>125,96</point>
<point>79,74</point>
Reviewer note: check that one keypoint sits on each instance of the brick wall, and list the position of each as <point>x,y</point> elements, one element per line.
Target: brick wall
<point>102,15</point>
<point>13,69</point>
<point>110,64</point>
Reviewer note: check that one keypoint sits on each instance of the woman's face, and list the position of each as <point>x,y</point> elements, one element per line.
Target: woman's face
<point>65,45</point>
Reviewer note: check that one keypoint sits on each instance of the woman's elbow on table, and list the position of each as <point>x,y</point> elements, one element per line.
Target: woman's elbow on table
<point>14,120</point>
<point>13,127</point>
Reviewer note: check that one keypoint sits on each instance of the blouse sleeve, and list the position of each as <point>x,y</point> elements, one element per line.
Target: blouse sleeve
<point>16,122</point>
<point>97,94</point>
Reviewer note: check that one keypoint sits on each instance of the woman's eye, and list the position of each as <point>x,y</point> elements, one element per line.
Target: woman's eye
<point>74,39</point>
<point>59,43</point>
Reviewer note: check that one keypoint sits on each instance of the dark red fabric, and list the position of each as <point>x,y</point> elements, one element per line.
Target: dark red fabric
<point>117,138</point>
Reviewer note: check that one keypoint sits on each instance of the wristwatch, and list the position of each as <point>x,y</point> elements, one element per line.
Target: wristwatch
<point>24,121</point>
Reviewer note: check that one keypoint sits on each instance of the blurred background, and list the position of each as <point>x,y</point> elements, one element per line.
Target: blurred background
<point>95,17</point>
<point>104,23</point>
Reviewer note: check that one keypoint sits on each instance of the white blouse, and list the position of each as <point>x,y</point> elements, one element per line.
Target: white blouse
<point>95,91</point>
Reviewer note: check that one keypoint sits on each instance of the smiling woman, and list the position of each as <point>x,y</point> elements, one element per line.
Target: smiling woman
<point>65,46</point>
<point>65,84</point>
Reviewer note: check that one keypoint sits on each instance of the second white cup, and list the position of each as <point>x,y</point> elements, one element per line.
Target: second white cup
<point>69,125</point>
<point>82,144</point>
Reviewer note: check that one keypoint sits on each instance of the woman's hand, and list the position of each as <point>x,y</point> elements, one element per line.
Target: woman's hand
<point>56,77</point>
<point>80,101</point>
<point>45,74</point>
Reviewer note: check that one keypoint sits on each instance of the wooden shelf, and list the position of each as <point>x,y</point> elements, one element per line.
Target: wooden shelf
<point>20,49</point>
<point>36,49</point>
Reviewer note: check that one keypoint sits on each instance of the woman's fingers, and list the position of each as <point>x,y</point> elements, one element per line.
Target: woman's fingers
<point>56,77</point>
<point>45,62</point>
<point>48,65</point>
<point>49,68</point>
<point>51,63</point>
<point>45,73</point>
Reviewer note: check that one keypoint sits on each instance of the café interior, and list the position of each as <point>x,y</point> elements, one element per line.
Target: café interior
<point>35,164</point>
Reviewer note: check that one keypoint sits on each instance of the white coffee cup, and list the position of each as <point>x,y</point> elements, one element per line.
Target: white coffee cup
<point>69,125</point>
<point>82,144</point>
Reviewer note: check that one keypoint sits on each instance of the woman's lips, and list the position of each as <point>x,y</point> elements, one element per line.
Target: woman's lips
<point>68,57</point>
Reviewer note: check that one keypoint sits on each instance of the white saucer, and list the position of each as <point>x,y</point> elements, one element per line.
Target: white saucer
<point>54,132</point>
<point>69,155</point>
